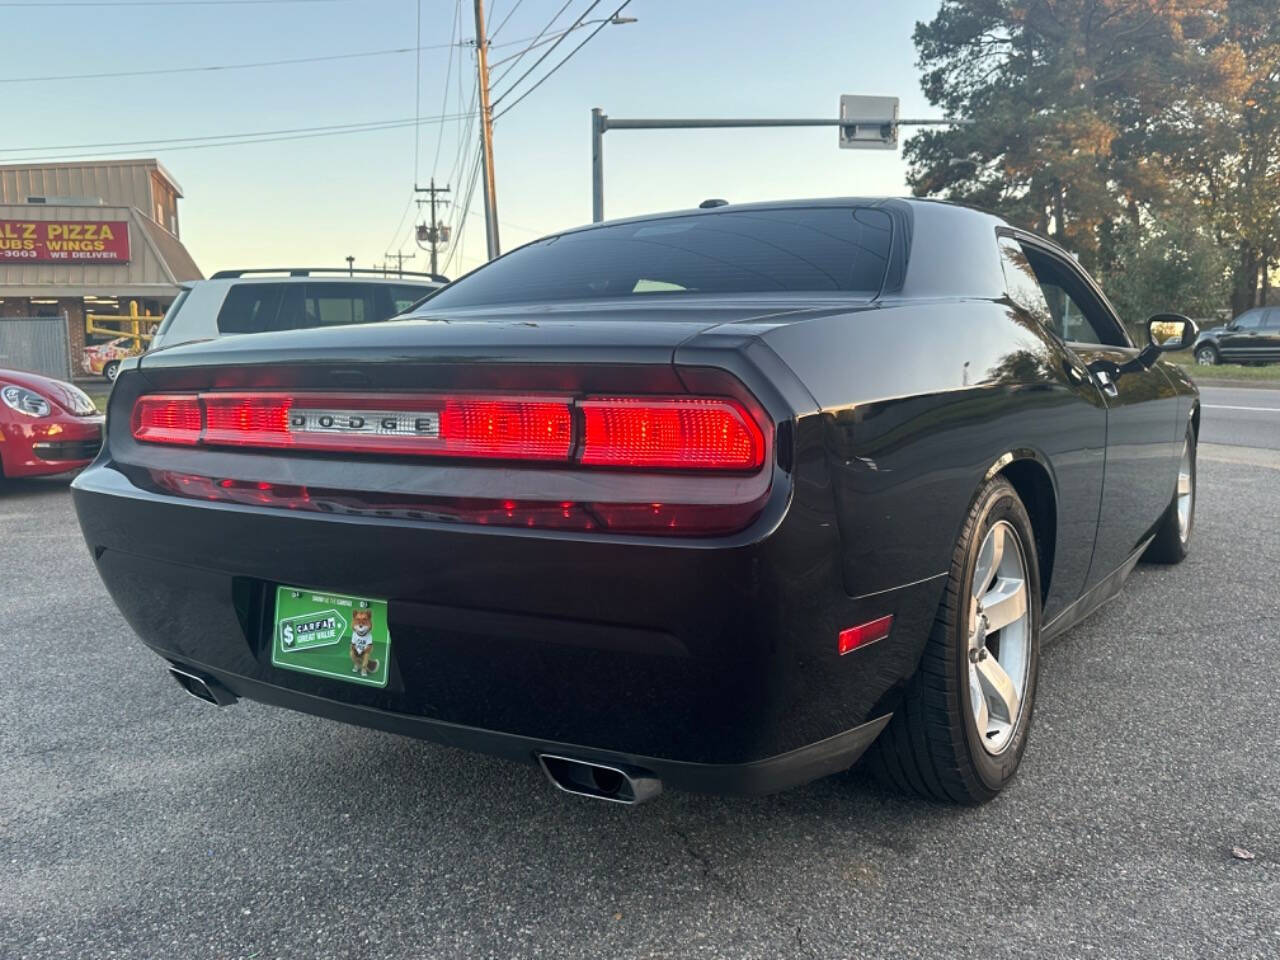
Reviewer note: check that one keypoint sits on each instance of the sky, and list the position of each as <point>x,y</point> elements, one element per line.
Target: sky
<point>315,201</point>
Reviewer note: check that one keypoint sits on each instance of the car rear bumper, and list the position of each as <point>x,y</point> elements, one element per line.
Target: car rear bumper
<point>752,778</point>
<point>711,662</point>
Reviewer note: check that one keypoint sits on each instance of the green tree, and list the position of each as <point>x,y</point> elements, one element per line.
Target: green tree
<point>1228,145</point>
<point>1172,264</point>
<point>1070,98</point>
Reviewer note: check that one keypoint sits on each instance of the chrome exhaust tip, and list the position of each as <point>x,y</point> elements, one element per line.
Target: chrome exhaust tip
<point>616,783</point>
<point>202,688</point>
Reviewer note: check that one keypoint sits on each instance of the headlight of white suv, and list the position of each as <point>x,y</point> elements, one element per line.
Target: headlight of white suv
<point>25,401</point>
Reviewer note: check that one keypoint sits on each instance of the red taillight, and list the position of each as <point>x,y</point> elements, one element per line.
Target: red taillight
<point>670,433</point>
<point>167,418</point>
<point>654,433</point>
<point>863,634</point>
<point>507,429</point>
<point>247,420</point>
<point>501,428</point>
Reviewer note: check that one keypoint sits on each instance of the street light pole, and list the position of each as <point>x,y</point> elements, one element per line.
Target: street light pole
<point>601,123</point>
<point>486,136</point>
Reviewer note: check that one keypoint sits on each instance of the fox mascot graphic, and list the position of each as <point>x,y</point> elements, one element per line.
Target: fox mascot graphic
<point>362,643</point>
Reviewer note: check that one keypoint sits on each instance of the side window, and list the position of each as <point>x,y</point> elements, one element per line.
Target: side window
<point>402,298</point>
<point>1020,280</point>
<point>1069,318</point>
<point>1249,321</point>
<point>331,304</point>
<point>250,308</point>
<point>1066,304</point>
<point>1272,322</point>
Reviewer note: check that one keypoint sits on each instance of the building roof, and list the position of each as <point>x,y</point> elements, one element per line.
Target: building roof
<point>150,163</point>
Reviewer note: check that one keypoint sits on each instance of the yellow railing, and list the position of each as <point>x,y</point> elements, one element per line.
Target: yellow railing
<point>138,327</point>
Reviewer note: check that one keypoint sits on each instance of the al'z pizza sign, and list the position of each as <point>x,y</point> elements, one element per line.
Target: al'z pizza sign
<point>64,241</point>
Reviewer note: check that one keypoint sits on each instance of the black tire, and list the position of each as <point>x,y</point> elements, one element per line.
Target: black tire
<point>110,370</point>
<point>1207,355</point>
<point>931,746</point>
<point>1172,543</point>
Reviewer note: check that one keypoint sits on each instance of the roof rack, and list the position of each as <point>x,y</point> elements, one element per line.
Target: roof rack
<point>311,271</point>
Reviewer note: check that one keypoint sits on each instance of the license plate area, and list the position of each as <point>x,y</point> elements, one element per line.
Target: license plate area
<point>334,635</point>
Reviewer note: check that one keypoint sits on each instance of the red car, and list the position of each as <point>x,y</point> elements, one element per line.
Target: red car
<point>46,426</point>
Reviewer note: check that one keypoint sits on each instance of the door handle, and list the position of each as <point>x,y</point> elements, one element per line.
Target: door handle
<point>1106,383</point>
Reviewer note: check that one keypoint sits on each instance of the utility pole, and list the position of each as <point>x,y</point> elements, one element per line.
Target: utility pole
<point>436,232</point>
<point>399,258</point>
<point>486,135</point>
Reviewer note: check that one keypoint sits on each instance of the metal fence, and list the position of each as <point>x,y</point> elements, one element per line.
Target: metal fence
<point>38,344</point>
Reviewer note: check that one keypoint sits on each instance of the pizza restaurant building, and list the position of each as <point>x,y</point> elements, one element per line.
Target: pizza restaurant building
<point>89,238</point>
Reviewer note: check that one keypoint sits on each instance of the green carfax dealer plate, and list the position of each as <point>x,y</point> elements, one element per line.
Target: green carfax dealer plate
<point>331,635</point>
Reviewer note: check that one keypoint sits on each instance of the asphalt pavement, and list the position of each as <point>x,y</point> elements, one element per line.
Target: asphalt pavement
<point>136,822</point>
<point>1246,417</point>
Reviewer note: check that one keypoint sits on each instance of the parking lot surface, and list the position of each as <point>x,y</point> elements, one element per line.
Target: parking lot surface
<point>136,822</point>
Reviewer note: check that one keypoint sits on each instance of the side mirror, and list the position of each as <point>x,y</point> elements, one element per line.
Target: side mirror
<point>1171,331</point>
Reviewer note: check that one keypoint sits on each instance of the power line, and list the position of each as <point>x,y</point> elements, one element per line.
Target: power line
<point>371,124</point>
<point>460,229</point>
<point>219,67</point>
<point>403,214</point>
<point>251,64</point>
<point>454,34</point>
<point>154,3</point>
<point>536,63</point>
<point>458,215</point>
<point>417,93</point>
<point>344,131</point>
<point>514,8</point>
<point>547,76</point>
<point>537,41</point>
<point>454,31</point>
<point>464,136</point>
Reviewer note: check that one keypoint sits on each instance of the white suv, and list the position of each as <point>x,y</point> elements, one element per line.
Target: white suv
<point>256,301</point>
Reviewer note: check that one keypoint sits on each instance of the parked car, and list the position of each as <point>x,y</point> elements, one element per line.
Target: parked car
<point>1252,337</point>
<point>103,359</point>
<point>716,500</point>
<point>46,426</point>
<point>288,298</point>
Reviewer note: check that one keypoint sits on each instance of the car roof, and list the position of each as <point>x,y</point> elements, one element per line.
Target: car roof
<point>398,281</point>
<point>944,208</point>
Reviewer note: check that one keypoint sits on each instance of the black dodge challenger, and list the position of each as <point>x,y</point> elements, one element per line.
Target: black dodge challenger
<point>718,500</point>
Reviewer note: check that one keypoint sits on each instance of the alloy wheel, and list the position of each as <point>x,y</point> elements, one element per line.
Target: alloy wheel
<point>1186,493</point>
<point>1205,358</point>
<point>999,636</point>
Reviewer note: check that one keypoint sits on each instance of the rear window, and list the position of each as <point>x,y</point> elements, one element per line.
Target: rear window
<point>250,308</point>
<point>263,307</point>
<point>809,249</point>
<point>332,304</point>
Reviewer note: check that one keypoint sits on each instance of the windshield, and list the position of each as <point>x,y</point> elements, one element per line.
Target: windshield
<point>789,249</point>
